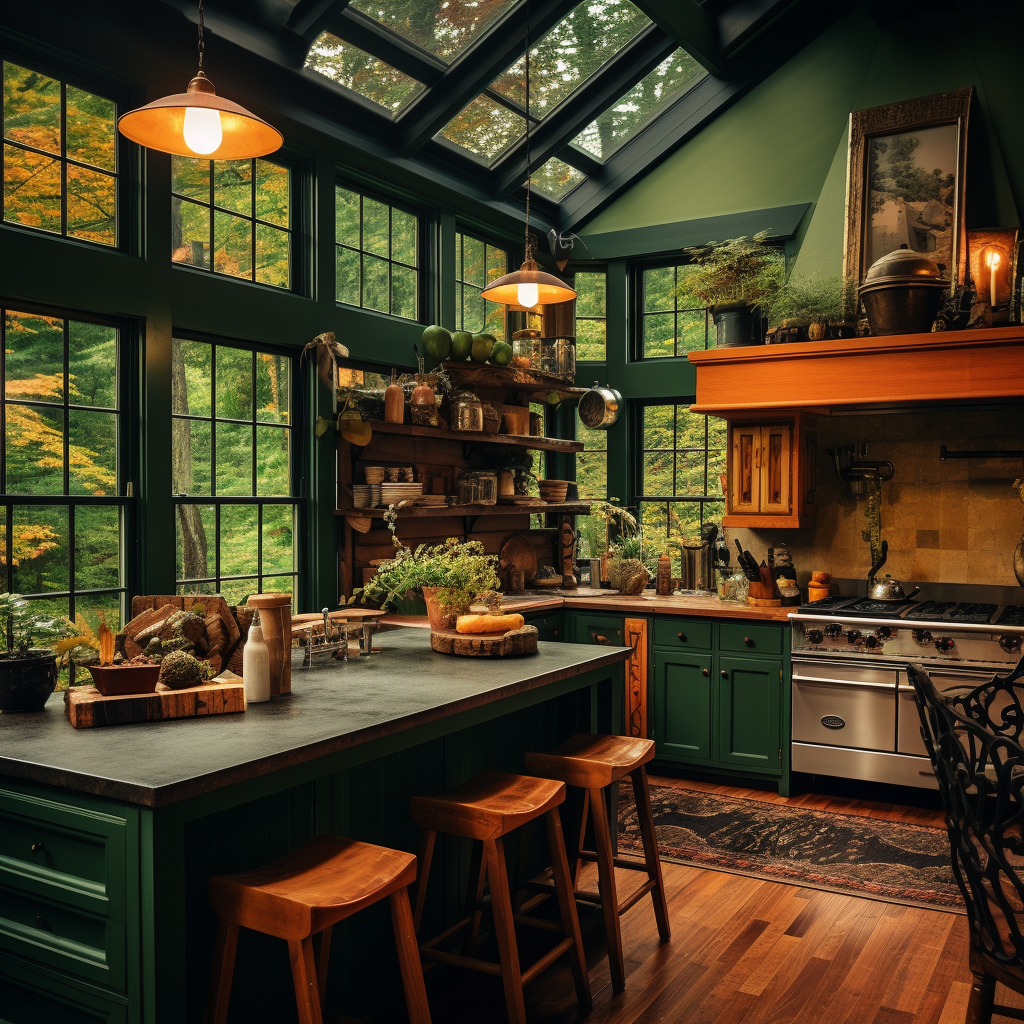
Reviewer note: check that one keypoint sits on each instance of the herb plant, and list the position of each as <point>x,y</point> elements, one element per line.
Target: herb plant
<point>24,629</point>
<point>738,271</point>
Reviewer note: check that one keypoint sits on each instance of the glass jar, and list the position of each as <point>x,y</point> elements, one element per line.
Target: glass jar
<point>467,412</point>
<point>565,357</point>
<point>523,343</point>
<point>548,356</point>
<point>478,488</point>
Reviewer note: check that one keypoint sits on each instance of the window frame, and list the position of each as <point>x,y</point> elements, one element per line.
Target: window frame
<point>423,231</point>
<point>601,269</point>
<point>511,260</point>
<point>296,499</point>
<point>640,316</point>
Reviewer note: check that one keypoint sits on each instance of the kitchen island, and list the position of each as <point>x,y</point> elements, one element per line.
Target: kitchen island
<point>107,836</point>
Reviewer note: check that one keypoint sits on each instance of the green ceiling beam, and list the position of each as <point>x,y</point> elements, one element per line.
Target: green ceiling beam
<point>691,26</point>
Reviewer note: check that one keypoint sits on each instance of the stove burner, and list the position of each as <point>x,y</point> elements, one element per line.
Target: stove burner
<point>972,612</point>
<point>1011,615</point>
<point>829,604</point>
<point>877,609</point>
<point>930,610</point>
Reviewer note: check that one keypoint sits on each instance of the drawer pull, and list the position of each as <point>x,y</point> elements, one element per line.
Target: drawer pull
<point>747,640</point>
<point>41,924</point>
<point>554,634</point>
<point>37,847</point>
<point>599,639</point>
<point>725,675</point>
<point>682,636</point>
<point>704,672</point>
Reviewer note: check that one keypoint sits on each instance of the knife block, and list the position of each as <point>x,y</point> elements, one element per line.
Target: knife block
<point>764,592</point>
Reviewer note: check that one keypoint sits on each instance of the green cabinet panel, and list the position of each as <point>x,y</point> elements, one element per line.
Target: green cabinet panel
<point>749,700</point>
<point>747,638</point>
<point>549,627</point>
<point>682,716</point>
<point>31,997</point>
<point>605,630</point>
<point>685,633</point>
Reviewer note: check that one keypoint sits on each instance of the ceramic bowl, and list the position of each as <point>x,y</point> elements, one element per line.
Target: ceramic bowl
<point>120,680</point>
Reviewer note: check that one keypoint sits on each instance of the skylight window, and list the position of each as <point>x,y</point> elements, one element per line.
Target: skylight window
<point>361,72</point>
<point>623,119</point>
<point>556,178</point>
<point>485,128</point>
<point>580,44</point>
<point>441,27</point>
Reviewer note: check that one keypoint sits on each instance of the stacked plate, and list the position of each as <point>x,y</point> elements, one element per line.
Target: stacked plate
<point>361,497</point>
<point>374,495</point>
<point>432,500</point>
<point>392,494</point>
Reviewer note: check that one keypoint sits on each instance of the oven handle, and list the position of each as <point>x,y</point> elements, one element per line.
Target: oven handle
<point>844,683</point>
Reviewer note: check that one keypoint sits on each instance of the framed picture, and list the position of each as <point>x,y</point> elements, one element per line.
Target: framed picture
<point>992,254</point>
<point>906,183</point>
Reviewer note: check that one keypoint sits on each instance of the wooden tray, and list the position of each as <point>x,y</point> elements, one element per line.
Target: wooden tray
<point>512,644</point>
<point>87,707</point>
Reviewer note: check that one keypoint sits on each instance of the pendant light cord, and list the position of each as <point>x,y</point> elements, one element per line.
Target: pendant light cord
<point>529,172</point>
<point>202,43</point>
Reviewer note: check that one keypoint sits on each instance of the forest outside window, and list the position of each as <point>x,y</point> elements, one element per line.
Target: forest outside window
<point>62,517</point>
<point>477,264</point>
<point>592,483</point>
<point>376,255</point>
<point>233,217</point>
<point>60,157</point>
<point>673,322</point>
<point>233,466</point>
<point>591,315</point>
<point>682,459</point>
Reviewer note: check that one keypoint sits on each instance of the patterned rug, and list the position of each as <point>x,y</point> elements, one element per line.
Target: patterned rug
<point>847,853</point>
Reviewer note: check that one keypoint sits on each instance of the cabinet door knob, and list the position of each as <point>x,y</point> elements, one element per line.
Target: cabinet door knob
<point>682,636</point>
<point>40,923</point>
<point>554,634</point>
<point>725,675</point>
<point>747,640</point>
<point>599,639</point>
<point>704,672</point>
<point>37,847</point>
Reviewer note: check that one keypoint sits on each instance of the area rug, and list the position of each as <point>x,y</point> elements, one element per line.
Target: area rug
<point>846,853</point>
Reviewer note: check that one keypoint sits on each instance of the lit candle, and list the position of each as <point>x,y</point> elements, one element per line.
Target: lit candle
<point>992,261</point>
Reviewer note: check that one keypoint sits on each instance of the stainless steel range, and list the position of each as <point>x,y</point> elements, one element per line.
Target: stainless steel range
<point>854,714</point>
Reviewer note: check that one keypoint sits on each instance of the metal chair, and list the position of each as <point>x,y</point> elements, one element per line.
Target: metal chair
<point>974,741</point>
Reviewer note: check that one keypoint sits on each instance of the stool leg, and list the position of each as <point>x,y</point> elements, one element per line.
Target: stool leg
<point>577,864</point>
<point>323,959</point>
<point>606,885</point>
<point>642,799</point>
<point>511,976</point>
<point>307,995</point>
<point>426,856</point>
<point>474,896</point>
<point>409,958</point>
<point>567,908</point>
<point>223,972</point>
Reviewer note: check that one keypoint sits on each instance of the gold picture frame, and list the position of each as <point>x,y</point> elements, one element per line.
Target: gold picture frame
<point>906,183</point>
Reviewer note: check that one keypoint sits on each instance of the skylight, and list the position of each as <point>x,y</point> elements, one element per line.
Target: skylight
<point>571,52</point>
<point>361,72</point>
<point>441,27</point>
<point>556,178</point>
<point>623,119</point>
<point>485,128</point>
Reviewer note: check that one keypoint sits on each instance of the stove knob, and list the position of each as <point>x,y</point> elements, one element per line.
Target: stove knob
<point>944,644</point>
<point>853,636</point>
<point>922,637</point>
<point>871,642</point>
<point>1009,643</point>
<point>814,636</point>
<point>833,630</point>
<point>886,632</point>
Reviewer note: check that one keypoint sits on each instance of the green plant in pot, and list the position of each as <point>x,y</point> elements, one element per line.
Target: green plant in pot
<point>505,458</point>
<point>732,278</point>
<point>28,667</point>
<point>815,304</point>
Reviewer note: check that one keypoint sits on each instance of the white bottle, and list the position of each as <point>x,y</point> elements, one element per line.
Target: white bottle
<point>256,665</point>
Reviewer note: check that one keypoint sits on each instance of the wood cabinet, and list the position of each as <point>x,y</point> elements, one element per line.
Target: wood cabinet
<point>771,472</point>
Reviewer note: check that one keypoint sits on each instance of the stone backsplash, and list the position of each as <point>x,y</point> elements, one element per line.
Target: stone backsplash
<point>956,521</point>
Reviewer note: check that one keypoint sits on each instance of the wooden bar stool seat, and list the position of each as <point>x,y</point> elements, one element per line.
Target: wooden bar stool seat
<point>593,763</point>
<point>304,894</point>
<point>485,809</point>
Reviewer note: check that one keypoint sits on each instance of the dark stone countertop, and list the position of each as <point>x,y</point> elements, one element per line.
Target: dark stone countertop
<point>332,707</point>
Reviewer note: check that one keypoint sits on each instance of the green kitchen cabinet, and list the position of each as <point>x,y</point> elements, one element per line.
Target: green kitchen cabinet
<point>549,627</point>
<point>595,628</point>
<point>682,712</point>
<point>749,701</point>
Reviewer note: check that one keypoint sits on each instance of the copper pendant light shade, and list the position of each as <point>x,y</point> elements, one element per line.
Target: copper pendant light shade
<point>199,123</point>
<point>507,289</point>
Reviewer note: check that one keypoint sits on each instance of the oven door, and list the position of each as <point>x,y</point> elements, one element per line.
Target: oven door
<point>909,739</point>
<point>843,704</point>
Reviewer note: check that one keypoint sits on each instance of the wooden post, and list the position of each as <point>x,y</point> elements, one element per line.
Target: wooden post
<point>635,632</point>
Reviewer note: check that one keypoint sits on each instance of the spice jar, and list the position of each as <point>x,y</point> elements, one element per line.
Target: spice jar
<point>523,346</point>
<point>467,412</point>
<point>478,488</point>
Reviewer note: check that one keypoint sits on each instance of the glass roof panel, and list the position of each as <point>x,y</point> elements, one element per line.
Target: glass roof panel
<point>362,73</point>
<point>556,178</point>
<point>622,120</point>
<point>571,52</point>
<point>441,27</point>
<point>485,128</point>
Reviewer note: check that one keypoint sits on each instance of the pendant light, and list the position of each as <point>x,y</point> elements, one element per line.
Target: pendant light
<point>528,286</point>
<point>199,123</point>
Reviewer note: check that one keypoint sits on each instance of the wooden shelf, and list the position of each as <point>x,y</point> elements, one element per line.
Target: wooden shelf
<point>578,508</point>
<point>960,366</point>
<point>542,444</point>
<point>509,378</point>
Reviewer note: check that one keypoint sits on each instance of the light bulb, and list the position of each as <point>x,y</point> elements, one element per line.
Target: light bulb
<point>992,259</point>
<point>527,294</point>
<point>202,130</point>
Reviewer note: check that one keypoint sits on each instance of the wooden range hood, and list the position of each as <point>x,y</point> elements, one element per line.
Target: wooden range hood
<point>953,366</point>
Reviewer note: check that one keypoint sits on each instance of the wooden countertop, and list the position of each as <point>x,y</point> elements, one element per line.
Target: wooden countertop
<point>332,708</point>
<point>703,607</point>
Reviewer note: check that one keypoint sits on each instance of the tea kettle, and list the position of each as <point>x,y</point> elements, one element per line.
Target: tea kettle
<point>886,588</point>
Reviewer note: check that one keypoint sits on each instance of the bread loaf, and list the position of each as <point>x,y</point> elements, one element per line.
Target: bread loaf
<point>488,623</point>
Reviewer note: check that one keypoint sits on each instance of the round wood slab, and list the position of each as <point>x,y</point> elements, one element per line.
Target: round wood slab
<point>512,644</point>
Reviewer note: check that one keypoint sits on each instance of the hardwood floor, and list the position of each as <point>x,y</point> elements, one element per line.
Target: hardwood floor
<point>756,952</point>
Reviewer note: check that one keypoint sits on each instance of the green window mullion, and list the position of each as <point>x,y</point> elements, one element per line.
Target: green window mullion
<point>252,209</point>
<point>216,543</point>
<point>252,407</point>
<point>67,404</point>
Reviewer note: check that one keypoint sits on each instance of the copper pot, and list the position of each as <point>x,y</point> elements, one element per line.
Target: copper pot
<point>902,292</point>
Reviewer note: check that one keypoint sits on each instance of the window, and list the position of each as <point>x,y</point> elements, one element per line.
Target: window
<point>672,321</point>
<point>60,163</point>
<point>62,516</point>
<point>592,482</point>
<point>232,217</point>
<point>682,458</point>
<point>555,179</point>
<point>591,315</point>
<point>478,263</point>
<point>377,255</point>
<point>485,128</point>
<point>232,467</point>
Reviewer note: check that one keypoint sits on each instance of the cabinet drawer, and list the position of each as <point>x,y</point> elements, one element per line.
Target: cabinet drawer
<point>31,997</point>
<point>690,634</point>
<point>549,627</point>
<point>604,630</point>
<point>746,638</point>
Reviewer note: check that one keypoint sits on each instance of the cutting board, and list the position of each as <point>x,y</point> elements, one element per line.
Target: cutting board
<point>87,707</point>
<point>512,644</point>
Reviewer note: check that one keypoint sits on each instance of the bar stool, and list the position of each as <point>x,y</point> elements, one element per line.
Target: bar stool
<point>304,894</point>
<point>486,809</point>
<point>593,763</point>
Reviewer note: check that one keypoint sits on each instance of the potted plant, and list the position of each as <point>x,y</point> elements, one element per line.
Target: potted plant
<point>449,575</point>
<point>28,668</point>
<point>732,277</point>
<point>814,304</point>
<point>112,675</point>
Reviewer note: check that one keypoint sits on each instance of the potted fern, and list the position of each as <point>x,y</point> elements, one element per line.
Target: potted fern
<point>28,667</point>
